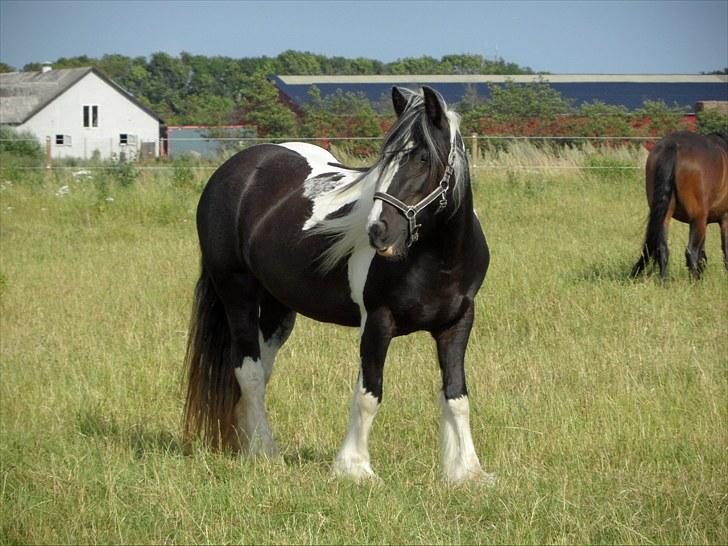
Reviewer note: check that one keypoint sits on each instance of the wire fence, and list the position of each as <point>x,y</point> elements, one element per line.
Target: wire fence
<point>477,144</point>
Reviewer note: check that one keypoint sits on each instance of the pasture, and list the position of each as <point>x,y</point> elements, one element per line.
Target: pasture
<point>600,403</point>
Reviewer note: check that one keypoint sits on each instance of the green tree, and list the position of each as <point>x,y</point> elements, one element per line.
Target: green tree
<point>296,62</point>
<point>343,115</point>
<point>415,65</point>
<point>600,119</point>
<point>260,106</point>
<point>517,101</point>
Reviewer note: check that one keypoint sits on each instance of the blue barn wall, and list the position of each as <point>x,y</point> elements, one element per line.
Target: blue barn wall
<point>630,94</point>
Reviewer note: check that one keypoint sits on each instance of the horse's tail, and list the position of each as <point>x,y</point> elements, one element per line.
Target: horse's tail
<point>212,390</point>
<point>663,187</point>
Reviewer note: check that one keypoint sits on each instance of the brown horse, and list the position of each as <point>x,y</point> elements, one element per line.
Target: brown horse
<point>686,179</point>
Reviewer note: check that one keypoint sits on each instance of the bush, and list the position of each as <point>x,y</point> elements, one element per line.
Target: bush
<point>22,144</point>
<point>712,122</point>
<point>21,157</point>
<point>123,172</point>
<point>660,118</point>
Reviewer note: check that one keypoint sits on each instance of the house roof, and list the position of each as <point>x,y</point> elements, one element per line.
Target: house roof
<point>630,90</point>
<point>23,94</point>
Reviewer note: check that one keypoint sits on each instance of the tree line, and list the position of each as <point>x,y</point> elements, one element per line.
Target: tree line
<point>199,90</point>
<point>196,89</point>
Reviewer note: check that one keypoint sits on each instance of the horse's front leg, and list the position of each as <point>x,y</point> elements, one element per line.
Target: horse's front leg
<point>353,457</point>
<point>459,460</point>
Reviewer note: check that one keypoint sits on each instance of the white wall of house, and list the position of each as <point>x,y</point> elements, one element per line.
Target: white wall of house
<point>63,120</point>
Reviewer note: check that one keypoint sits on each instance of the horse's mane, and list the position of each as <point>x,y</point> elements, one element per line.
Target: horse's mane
<point>348,231</point>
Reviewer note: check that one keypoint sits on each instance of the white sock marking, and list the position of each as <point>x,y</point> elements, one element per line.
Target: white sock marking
<point>250,411</point>
<point>353,457</point>
<point>459,460</point>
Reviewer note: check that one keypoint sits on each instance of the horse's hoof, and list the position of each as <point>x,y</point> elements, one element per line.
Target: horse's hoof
<point>476,476</point>
<point>361,473</point>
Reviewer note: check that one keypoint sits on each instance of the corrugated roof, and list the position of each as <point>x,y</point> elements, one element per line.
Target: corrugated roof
<point>23,94</point>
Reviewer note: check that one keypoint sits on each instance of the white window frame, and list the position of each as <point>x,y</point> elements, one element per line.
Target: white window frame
<point>62,140</point>
<point>90,116</point>
<point>130,140</point>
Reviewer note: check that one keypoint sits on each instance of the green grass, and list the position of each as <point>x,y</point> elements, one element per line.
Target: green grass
<point>600,403</point>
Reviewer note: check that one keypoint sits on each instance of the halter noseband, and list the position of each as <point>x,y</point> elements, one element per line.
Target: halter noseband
<point>410,212</point>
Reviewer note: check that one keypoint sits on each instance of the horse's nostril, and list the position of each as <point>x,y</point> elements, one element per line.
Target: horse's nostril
<point>377,233</point>
<point>377,229</point>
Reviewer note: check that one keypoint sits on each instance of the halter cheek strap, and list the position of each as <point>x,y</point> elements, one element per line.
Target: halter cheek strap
<point>410,212</point>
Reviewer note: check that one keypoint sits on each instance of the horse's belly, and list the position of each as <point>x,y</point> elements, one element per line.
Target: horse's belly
<point>293,278</point>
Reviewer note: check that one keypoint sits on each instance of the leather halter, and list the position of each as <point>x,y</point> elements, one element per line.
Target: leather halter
<point>410,211</point>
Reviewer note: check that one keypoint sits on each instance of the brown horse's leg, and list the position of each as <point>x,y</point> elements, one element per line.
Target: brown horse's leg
<point>724,238</point>
<point>662,254</point>
<point>695,253</point>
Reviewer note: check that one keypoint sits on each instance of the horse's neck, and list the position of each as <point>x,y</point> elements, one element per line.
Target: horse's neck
<point>455,230</point>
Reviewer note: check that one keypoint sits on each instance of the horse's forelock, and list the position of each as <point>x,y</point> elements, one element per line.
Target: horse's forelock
<point>413,125</point>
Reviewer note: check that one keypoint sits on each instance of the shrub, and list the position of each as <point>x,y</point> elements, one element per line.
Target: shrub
<point>123,172</point>
<point>712,122</point>
<point>659,119</point>
<point>20,143</point>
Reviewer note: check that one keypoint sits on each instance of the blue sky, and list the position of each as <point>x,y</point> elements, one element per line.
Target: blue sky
<point>560,37</point>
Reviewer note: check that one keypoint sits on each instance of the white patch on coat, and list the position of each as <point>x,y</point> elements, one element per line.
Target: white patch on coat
<point>320,189</point>
<point>255,434</point>
<point>385,181</point>
<point>269,348</point>
<point>459,460</point>
<point>353,457</point>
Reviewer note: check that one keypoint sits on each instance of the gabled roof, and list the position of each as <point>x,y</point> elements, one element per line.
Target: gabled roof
<point>23,94</point>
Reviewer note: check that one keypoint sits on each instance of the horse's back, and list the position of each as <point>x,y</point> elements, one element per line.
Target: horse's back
<point>250,220</point>
<point>231,197</point>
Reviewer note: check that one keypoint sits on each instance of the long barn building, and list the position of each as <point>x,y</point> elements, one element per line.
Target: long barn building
<point>629,90</point>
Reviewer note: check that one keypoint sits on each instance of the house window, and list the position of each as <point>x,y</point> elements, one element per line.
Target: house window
<point>90,115</point>
<point>63,140</point>
<point>126,139</point>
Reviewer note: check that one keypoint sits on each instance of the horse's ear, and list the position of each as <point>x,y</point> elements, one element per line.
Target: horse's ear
<point>435,107</point>
<point>399,101</point>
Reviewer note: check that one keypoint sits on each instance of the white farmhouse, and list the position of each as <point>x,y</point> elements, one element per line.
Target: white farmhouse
<point>80,112</point>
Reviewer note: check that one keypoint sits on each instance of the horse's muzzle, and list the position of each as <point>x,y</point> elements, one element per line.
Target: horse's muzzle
<point>378,239</point>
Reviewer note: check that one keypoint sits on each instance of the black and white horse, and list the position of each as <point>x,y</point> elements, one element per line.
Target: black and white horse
<point>393,249</point>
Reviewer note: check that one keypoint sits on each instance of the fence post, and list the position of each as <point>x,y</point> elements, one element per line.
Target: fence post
<point>49,156</point>
<point>474,149</point>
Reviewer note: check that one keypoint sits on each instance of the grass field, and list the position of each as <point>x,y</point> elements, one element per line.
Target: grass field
<point>600,403</point>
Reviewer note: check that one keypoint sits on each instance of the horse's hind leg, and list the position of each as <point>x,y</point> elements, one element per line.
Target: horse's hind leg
<point>241,295</point>
<point>695,252</point>
<point>724,238</point>
<point>275,325</point>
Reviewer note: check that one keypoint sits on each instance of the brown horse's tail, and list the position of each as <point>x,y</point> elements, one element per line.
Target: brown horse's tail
<point>663,185</point>
<point>212,390</point>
